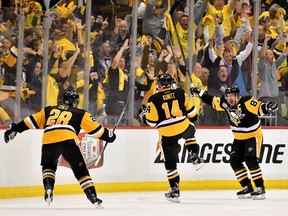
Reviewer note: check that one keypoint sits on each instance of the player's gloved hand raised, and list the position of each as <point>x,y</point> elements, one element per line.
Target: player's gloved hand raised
<point>271,106</point>
<point>10,133</point>
<point>111,136</point>
<point>197,91</point>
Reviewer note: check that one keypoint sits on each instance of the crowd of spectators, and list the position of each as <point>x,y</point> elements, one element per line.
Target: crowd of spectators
<point>222,53</point>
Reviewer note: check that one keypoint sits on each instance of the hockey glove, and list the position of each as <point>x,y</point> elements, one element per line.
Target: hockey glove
<point>142,111</point>
<point>111,136</point>
<point>108,136</point>
<point>197,91</point>
<point>271,107</point>
<point>11,133</point>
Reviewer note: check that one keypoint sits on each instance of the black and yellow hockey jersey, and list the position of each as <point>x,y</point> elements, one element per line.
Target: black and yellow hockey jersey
<point>243,118</point>
<point>171,111</point>
<point>62,123</point>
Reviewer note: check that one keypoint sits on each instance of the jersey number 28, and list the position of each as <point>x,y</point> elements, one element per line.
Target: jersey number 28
<point>58,117</point>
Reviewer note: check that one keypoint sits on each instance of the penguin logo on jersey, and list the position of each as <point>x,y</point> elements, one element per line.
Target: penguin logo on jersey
<point>235,116</point>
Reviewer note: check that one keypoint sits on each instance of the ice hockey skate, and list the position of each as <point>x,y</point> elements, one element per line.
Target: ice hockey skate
<point>259,193</point>
<point>197,161</point>
<point>48,187</point>
<point>245,193</point>
<point>48,196</point>
<point>173,195</point>
<point>93,199</point>
<point>98,203</point>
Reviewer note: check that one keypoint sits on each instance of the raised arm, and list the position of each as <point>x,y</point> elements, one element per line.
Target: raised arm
<point>282,57</point>
<point>119,54</point>
<point>211,50</point>
<point>263,50</point>
<point>199,9</point>
<point>246,52</point>
<point>66,67</point>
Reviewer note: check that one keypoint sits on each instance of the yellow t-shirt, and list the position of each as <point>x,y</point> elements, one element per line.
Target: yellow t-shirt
<point>274,32</point>
<point>30,16</point>
<point>210,21</point>
<point>184,39</point>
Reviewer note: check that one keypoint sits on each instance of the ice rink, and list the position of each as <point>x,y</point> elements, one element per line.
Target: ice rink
<point>193,203</point>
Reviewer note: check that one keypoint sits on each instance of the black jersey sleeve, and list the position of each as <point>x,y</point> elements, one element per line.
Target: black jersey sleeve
<point>208,99</point>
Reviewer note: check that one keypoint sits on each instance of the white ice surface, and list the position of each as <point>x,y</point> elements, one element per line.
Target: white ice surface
<point>193,203</point>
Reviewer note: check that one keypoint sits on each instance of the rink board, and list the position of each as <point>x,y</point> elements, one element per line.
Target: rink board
<point>132,163</point>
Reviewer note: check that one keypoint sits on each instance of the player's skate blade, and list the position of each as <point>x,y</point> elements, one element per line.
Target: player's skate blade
<point>175,199</point>
<point>245,193</point>
<point>48,196</point>
<point>244,196</point>
<point>173,194</point>
<point>198,166</point>
<point>259,193</point>
<point>98,204</point>
<point>197,161</point>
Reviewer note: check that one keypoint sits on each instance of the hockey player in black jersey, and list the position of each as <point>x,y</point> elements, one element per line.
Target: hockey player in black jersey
<point>172,112</point>
<point>62,125</point>
<point>246,127</point>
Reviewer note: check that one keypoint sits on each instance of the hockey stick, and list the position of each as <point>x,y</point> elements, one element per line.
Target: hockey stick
<point>98,158</point>
<point>106,143</point>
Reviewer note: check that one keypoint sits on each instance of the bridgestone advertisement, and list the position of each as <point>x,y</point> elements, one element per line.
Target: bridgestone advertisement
<point>135,157</point>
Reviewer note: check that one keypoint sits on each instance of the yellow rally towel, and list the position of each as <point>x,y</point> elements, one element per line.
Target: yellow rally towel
<point>64,10</point>
<point>121,79</point>
<point>169,23</point>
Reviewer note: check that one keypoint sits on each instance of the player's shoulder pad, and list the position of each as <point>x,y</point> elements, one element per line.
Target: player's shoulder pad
<point>222,98</point>
<point>152,97</point>
<point>48,108</point>
<point>179,89</point>
<point>77,111</point>
<point>92,118</point>
<point>247,98</point>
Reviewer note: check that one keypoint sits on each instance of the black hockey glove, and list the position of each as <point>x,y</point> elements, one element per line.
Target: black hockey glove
<point>111,136</point>
<point>142,111</point>
<point>10,133</point>
<point>108,136</point>
<point>271,107</point>
<point>197,91</point>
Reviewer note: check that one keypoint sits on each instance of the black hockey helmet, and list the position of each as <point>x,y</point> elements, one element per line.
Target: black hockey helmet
<point>165,80</point>
<point>232,89</point>
<point>71,98</point>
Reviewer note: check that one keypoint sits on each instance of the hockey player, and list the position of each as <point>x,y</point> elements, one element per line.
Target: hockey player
<point>61,126</point>
<point>246,127</point>
<point>172,112</point>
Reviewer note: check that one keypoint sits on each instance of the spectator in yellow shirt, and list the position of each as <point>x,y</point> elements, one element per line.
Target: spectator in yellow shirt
<point>276,14</point>
<point>220,10</point>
